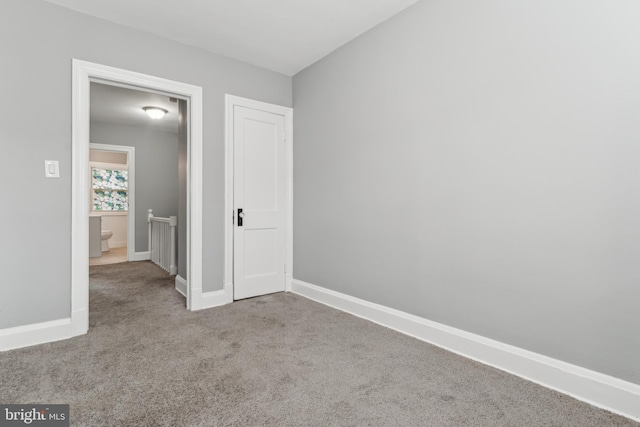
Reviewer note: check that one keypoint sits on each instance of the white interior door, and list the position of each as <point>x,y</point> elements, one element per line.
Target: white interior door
<point>259,202</point>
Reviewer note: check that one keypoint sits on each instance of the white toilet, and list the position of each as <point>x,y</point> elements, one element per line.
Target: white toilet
<point>106,235</point>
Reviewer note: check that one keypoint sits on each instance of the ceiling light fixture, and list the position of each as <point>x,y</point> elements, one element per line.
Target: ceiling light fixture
<point>155,112</point>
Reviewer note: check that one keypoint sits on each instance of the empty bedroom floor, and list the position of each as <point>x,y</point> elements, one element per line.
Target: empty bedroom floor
<point>277,360</point>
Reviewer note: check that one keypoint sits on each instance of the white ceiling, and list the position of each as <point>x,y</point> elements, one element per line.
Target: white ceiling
<point>112,104</point>
<point>281,35</point>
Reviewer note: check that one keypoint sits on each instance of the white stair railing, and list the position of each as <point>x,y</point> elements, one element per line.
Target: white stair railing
<point>162,241</point>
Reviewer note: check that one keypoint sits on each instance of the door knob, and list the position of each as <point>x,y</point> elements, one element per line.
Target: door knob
<point>240,216</point>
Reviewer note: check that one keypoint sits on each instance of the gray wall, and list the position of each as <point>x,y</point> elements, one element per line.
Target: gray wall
<point>38,41</point>
<point>182,187</point>
<point>156,170</point>
<point>476,163</point>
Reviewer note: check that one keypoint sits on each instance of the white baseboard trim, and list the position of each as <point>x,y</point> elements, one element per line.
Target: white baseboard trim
<point>141,256</point>
<point>201,300</point>
<point>213,299</point>
<point>37,333</point>
<point>595,388</point>
<point>117,244</point>
<point>181,286</point>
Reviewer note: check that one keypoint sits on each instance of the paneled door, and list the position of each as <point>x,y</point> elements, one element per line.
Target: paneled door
<point>259,198</point>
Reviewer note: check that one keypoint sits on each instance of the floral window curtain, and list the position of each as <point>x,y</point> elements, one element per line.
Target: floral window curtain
<point>109,190</point>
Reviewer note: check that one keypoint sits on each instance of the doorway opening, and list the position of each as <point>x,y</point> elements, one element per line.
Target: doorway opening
<point>112,206</point>
<point>84,73</point>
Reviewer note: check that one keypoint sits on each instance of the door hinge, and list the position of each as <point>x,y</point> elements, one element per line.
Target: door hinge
<point>233,217</point>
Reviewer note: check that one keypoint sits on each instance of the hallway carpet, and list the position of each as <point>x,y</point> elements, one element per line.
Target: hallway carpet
<point>277,360</point>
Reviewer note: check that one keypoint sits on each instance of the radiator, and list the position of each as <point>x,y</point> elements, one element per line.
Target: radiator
<point>162,241</point>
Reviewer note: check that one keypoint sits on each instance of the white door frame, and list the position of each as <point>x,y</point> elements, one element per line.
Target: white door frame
<point>230,102</point>
<point>131,191</point>
<point>83,74</point>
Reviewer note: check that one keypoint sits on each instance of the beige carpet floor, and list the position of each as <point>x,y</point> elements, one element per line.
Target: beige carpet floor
<point>277,360</point>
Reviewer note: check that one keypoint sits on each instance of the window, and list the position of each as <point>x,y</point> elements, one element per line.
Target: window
<point>109,190</point>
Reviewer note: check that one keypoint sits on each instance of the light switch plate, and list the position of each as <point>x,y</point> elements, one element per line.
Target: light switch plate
<point>51,169</point>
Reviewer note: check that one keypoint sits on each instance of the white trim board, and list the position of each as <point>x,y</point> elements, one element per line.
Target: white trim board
<point>83,73</point>
<point>181,285</point>
<point>603,391</point>
<point>38,333</point>
<point>214,299</point>
<point>141,256</point>
<point>287,112</point>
